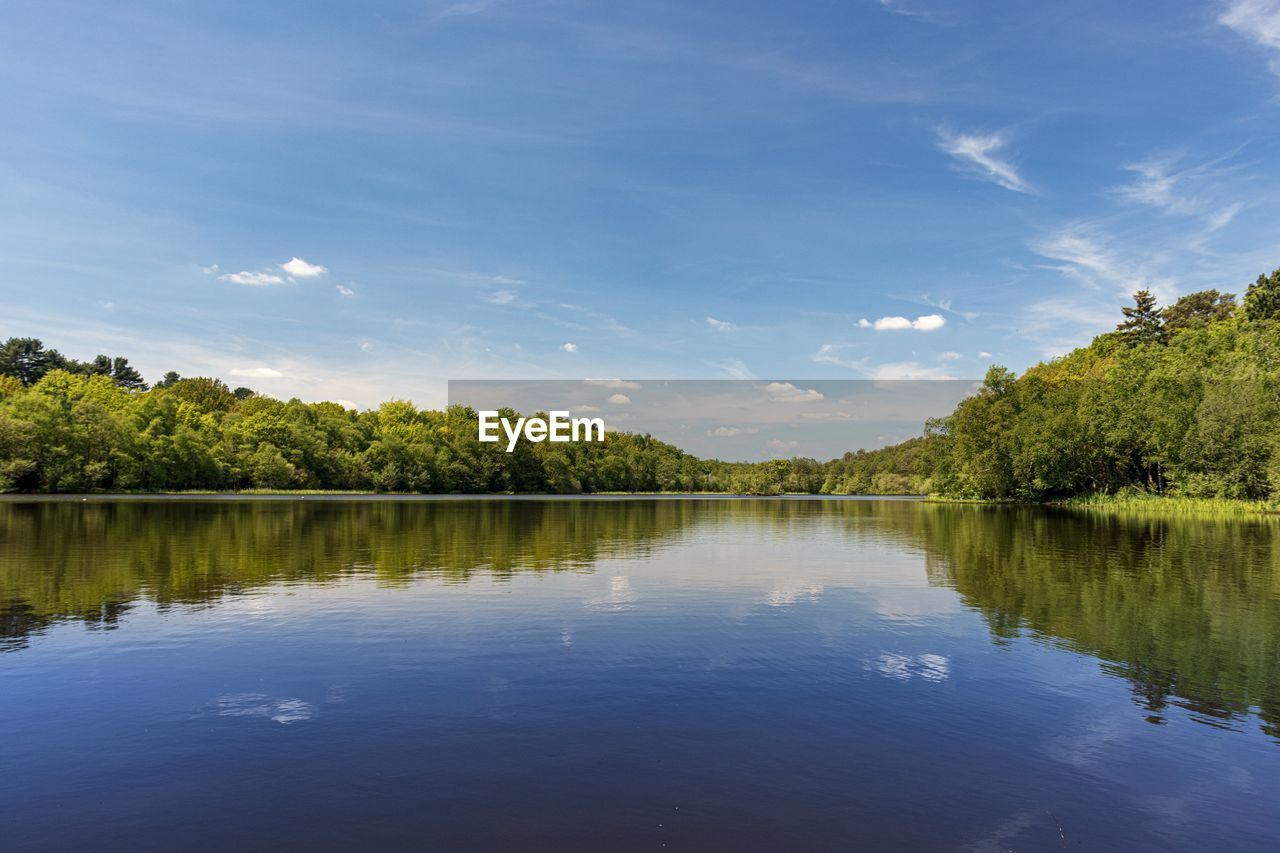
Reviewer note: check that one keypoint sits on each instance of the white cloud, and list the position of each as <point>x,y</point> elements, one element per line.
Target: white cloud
<point>924,323</point>
<point>1154,186</point>
<point>945,305</point>
<point>984,354</point>
<point>569,347</point>
<point>256,373</point>
<point>367,346</point>
<point>344,290</point>
<point>779,444</point>
<point>831,354</point>
<point>212,269</point>
<point>502,297</point>
<point>1222,218</point>
<point>252,279</point>
<point>978,152</point>
<point>1257,20</point>
<point>896,7</point>
<point>720,325</point>
<point>949,356</point>
<point>730,432</point>
<point>620,399</point>
<point>1088,258</point>
<point>908,370</point>
<point>298,268</point>
<point>785,392</point>
<point>734,368</point>
<point>612,383</point>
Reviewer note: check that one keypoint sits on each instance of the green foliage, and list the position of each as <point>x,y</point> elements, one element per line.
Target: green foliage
<point>1143,323</point>
<point>1184,401</point>
<point>1262,301</point>
<point>27,360</point>
<point>88,431</point>
<point>1199,309</point>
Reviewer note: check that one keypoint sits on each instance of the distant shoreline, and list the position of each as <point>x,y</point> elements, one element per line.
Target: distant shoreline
<point>424,498</point>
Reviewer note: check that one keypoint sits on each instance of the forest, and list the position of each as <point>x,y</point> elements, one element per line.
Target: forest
<point>1182,399</point>
<point>1177,400</point>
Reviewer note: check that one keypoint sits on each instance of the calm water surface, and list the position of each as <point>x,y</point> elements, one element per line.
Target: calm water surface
<point>639,674</point>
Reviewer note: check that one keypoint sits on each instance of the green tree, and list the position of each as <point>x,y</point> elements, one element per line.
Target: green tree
<point>1262,301</point>
<point>1142,322</point>
<point>1196,310</point>
<point>27,360</point>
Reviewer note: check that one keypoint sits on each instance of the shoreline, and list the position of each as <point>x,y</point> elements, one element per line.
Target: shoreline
<point>1153,504</point>
<point>108,497</point>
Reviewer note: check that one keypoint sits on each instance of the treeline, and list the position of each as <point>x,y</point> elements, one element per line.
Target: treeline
<point>1181,400</point>
<point>67,426</point>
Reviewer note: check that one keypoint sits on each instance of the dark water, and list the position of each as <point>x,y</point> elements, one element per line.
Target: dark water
<point>754,674</point>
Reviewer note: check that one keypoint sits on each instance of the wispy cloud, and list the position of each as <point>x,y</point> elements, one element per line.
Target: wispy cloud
<point>344,290</point>
<point>908,370</point>
<point>1222,218</point>
<point>833,354</point>
<point>1087,257</point>
<point>720,325</point>
<point>1257,20</point>
<point>1161,184</point>
<point>253,279</point>
<point>569,347</point>
<point>734,369</point>
<point>946,305</point>
<point>978,153</point>
<point>1155,186</point>
<point>898,8</point>
<point>730,432</point>
<point>925,323</point>
<point>501,297</point>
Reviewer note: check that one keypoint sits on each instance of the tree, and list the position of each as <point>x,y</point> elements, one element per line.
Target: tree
<point>169,380</point>
<point>1199,309</point>
<point>27,360</point>
<point>1262,301</point>
<point>1142,323</point>
<point>125,376</point>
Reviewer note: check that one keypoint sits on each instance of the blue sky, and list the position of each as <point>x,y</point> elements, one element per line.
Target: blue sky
<point>491,189</point>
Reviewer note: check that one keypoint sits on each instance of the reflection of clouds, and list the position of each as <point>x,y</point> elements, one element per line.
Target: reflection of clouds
<point>914,605</point>
<point>566,637</point>
<point>1089,743</point>
<point>928,667</point>
<point>1003,836</point>
<point>283,711</point>
<point>621,596</point>
<point>788,592</point>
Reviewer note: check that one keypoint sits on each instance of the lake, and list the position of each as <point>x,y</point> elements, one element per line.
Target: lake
<point>745,674</point>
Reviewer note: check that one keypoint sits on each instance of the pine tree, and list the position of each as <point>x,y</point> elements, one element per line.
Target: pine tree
<point>1143,322</point>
